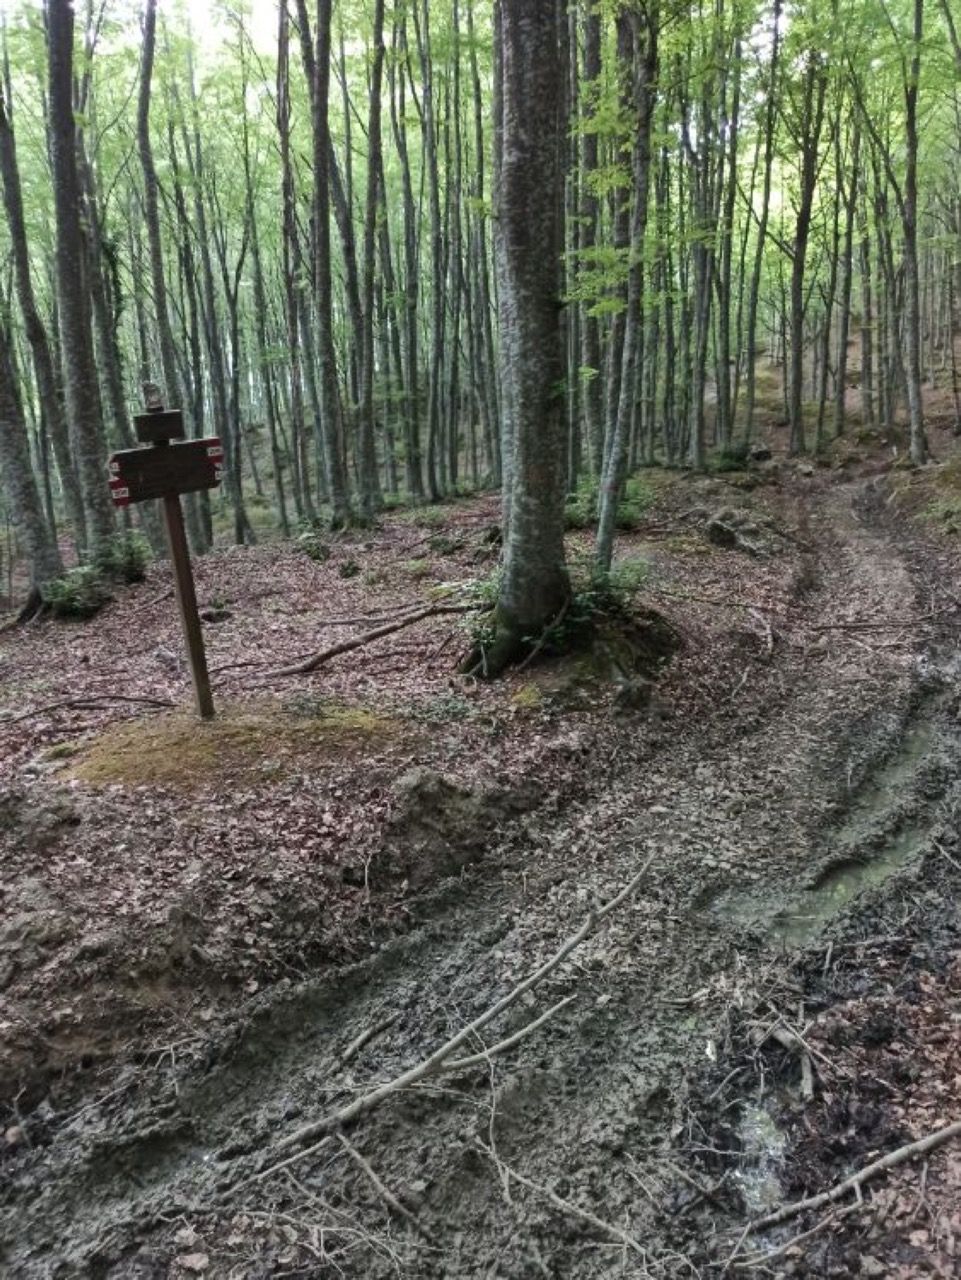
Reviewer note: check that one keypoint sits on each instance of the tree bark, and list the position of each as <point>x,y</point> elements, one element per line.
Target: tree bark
<point>82,391</point>
<point>43,360</point>
<point>19,482</point>
<point>528,248</point>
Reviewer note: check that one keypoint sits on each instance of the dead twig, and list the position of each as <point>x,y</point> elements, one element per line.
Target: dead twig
<point>88,703</point>
<point>365,1037</point>
<point>947,857</point>
<point>768,631</point>
<point>383,1191</point>
<point>484,1056</point>
<point>277,1167</point>
<point>366,1102</point>
<point>764,1259</point>
<point>565,1206</point>
<point>857,1180</point>
<point>368,637</point>
<point>892,625</point>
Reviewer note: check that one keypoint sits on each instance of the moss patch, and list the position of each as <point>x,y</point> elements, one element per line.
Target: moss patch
<point>250,739</point>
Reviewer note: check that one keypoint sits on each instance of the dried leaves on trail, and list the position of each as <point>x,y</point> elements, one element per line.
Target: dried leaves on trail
<point>162,879</point>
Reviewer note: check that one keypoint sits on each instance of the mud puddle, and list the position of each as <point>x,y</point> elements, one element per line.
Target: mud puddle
<point>876,841</point>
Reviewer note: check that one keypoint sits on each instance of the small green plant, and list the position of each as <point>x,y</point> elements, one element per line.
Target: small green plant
<point>443,544</point>
<point>580,510</point>
<point>124,558</point>
<point>79,593</point>
<point>731,457</point>
<point>349,568</point>
<point>416,569</point>
<point>430,517</point>
<point>313,545</point>
<point>594,597</point>
<point>628,576</point>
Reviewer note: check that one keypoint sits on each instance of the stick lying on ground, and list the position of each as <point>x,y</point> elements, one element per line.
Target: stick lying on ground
<point>366,1102</point>
<point>857,1180</point>
<point>92,701</point>
<point>368,637</point>
<point>565,1206</point>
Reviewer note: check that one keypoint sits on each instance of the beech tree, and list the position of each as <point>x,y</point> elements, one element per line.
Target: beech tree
<point>297,229</point>
<point>528,247</point>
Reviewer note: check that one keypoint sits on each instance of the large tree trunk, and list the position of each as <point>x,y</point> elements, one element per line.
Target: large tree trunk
<point>815,87</point>
<point>43,362</point>
<point>528,248</point>
<point>19,483</point>
<point>82,390</point>
<point>770,118</point>
<point>323,282</point>
<point>369,482</point>
<point>645,60</point>
<point>909,219</point>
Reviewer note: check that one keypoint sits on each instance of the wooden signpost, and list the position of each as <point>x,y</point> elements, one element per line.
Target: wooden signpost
<point>164,470</point>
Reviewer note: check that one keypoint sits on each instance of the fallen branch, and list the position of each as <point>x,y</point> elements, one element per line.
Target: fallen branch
<point>565,1206</point>
<point>892,625</point>
<point>365,1037</point>
<point>718,604</point>
<point>271,1169</point>
<point>368,637</point>
<point>92,701</point>
<point>857,1180</point>
<point>366,1102</point>
<point>762,1259</point>
<point>383,1191</point>
<point>485,1055</point>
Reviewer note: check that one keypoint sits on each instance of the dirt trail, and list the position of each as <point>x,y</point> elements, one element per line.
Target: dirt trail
<point>823,778</point>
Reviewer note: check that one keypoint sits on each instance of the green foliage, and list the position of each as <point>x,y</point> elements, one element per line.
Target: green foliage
<point>430,517</point>
<point>636,499</point>
<point>442,544</point>
<point>416,569</point>
<point>124,558</point>
<point>731,457</point>
<point>594,597</point>
<point>79,593</point>
<point>349,568</point>
<point>312,544</point>
<point>580,511</point>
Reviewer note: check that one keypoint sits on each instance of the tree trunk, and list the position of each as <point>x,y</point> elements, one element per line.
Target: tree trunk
<point>528,248</point>
<point>323,282</point>
<point>43,360</point>
<point>82,391</point>
<point>20,486</point>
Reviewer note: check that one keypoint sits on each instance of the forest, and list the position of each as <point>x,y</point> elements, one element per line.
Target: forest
<point>533,429</point>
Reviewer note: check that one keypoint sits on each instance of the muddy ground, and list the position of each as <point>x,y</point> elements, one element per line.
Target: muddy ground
<point>212,941</point>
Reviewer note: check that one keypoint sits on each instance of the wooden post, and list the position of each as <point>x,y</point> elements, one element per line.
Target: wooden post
<point>187,602</point>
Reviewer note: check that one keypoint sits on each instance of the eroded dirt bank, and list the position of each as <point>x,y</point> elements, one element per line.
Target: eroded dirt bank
<point>795,781</point>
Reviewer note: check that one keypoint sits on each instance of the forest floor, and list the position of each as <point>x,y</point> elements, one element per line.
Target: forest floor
<point>214,938</point>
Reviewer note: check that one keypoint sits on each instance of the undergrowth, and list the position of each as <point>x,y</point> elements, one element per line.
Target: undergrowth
<point>595,598</point>
<point>580,511</point>
<point>83,591</point>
